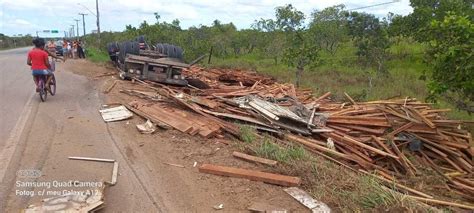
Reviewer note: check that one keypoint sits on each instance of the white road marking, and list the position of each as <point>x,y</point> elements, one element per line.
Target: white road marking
<point>12,142</point>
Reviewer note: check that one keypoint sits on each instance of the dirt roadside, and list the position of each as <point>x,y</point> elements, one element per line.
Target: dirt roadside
<point>178,189</point>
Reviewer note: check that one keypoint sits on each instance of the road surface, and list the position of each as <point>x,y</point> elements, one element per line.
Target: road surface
<point>41,136</point>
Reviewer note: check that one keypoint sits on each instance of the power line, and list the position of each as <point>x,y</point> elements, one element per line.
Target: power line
<point>375,5</point>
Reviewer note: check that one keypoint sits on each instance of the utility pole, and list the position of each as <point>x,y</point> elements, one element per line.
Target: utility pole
<point>72,28</point>
<point>83,23</point>
<point>77,25</point>
<point>97,15</point>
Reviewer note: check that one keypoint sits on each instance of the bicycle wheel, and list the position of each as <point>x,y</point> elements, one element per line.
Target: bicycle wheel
<point>52,85</point>
<point>43,93</point>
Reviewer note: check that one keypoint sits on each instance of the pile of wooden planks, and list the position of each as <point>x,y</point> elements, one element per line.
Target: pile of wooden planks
<point>391,139</point>
<point>179,119</point>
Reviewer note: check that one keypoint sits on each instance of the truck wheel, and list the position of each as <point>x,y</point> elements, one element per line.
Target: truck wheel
<point>159,48</point>
<point>135,50</point>
<point>179,53</point>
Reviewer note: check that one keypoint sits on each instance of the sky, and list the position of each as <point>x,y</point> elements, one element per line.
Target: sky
<point>28,16</point>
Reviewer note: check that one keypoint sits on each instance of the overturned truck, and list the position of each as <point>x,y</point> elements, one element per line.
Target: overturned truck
<point>161,63</point>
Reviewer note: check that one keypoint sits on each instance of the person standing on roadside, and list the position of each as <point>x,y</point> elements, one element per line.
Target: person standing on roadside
<point>65,53</point>
<point>52,47</point>
<point>69,49</point>
<point>80,50</point>
<point>74,49</point>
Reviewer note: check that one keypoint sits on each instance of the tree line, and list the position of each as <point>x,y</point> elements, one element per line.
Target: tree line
<point>7,42</point>
<point>299,41</point>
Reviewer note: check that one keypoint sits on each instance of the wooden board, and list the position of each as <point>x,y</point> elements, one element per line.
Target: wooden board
<point>276,179</point>
<point>254,159</point>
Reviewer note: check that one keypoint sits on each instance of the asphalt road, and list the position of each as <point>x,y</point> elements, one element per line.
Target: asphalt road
<point>41,136</point>
<point>15,80</point>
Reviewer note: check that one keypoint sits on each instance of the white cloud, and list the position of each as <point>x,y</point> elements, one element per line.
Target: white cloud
<point>21,22</point>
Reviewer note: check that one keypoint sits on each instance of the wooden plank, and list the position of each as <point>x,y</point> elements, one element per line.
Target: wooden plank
<point>110,87</point>
<point>381,144</point>
<point>276,179</point>
<point>400,129</point>
<point>253,158</point>
<point>327,94</point>
<point>441,202</point>
<point>365,129</point>
<point>363,145</point>
<point>395,113</point>
<point>423,118</point>
<point>402,159</point>
<point>350,98</point>
<point>316,145</point>
<point>366,121</point>
<point>437,145</point>
<point>92,159</point>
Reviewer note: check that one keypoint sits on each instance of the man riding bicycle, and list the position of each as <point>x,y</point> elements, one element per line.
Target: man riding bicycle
<point>39,61</point>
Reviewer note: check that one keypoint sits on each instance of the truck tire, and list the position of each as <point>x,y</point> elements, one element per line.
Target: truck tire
<point>179,53</point>
<point>124,49</point>
<point>135,50</point>
<point>166,49</point>
<point>171,51</point>
<point>159,47</point>
<point>128,47</point>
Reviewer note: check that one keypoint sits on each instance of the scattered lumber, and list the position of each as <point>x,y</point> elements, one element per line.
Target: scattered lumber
<point>276,179</point>
<point>254,159</point>
<point>385,138</point>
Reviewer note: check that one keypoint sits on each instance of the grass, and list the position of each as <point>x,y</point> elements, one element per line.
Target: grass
<point>343,73</point>
<point>96,55</point>
<point>247,134</point>
<point>269,149</point>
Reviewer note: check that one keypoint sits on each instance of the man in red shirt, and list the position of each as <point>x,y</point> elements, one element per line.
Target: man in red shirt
<point>38,60</point>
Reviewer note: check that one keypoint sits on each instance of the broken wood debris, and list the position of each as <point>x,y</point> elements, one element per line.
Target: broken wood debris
<point>381,137</point>
<point>115,114</point>
<point>114,170</point>
<point>110,87</point>
<point>308,201</point>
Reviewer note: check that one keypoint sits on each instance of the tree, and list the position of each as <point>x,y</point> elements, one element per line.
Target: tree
<point>425,11</point>
<point>301,48</point>
<point>371,38</point>
<point>330,27</point>
<point>271,39</point>
<point>450,53</point>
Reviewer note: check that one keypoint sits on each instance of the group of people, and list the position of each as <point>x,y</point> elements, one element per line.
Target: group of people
<point>71,49</point>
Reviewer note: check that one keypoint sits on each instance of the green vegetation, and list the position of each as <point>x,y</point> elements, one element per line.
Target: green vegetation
<point>96,55</point>
<point>247,134</point>
<point>7,42</point>
<point>451,54</point>
<point>267,148</point>
<point>340,51</point>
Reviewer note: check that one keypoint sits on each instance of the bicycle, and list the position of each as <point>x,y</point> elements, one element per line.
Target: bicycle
<point>46,85</point>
